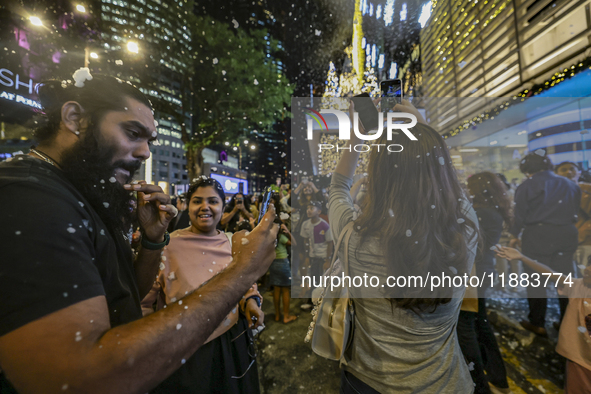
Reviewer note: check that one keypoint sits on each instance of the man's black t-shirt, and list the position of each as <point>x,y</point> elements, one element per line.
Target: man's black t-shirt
<point>56,250</point>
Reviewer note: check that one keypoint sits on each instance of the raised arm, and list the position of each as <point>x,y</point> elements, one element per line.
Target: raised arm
<point>514,254</point>
<point>227,216</point>
<point>75,349</point>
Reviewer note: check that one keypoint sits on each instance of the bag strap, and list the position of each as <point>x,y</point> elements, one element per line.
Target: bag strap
<point>346,230</point>
<point>347,237</point>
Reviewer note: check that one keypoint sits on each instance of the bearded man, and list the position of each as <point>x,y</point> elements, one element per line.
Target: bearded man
<point>70,317</point>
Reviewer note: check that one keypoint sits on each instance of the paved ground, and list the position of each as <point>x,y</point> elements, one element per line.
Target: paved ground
<point>288,365</point>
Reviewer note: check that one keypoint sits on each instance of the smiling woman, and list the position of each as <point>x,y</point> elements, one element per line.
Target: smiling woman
<point>194,255</point>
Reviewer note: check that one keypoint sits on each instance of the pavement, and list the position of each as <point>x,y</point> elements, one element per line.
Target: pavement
<point>288,365</point>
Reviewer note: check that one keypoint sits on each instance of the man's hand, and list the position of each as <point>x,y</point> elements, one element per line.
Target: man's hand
<point>154,210</point>
<point>252,310</point>
<point>257,249</point>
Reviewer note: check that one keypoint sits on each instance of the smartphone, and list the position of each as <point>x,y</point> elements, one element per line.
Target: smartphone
<point>368,113</point>
<point>391,93</point>
<point>267,199</point>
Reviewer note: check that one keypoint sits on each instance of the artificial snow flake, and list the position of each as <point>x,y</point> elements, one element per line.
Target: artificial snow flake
<point>283,216</point>
<point>112,179</point>
<point>178,326</point>
<point>236,24</point>
<point>172,276</point>
<point>106,204</point>
<point>441,160</point>
<point>317,32</point>
<point>460,220</point>
<point>215,60</point>
<point>161,266</point>
<point>256,82</point>
<point>432,206</point>
<point>391,213</point>
<point>81,75</point>
<point>408,233</point>
<point>582,329</point>
<point>71,230</point>
<point>81,203</point>
<point>78,336</point>
<point>244,241</point>
<point>17,232</point>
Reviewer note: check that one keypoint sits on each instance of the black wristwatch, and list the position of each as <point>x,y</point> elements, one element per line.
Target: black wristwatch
<point>152,246</point>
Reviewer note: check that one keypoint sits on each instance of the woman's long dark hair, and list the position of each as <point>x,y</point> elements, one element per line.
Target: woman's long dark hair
<point>488,191</point>
<point>245,200</point>
<point>416,211</point>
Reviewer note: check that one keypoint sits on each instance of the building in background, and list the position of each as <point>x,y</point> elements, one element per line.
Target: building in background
<point>484,62</point>
<point>40,40</point>
<point>148,43</point>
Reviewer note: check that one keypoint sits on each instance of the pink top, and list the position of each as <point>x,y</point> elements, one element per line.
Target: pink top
<point>574,341</point>
<point>188,261</point>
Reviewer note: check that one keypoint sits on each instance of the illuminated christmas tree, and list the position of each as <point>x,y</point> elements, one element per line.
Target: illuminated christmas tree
<point>370,84</point>
<point>332,88</point>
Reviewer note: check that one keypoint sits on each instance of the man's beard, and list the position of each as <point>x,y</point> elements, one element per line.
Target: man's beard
<point>87,165</point>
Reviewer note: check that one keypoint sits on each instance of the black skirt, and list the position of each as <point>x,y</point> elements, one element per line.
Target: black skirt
<point>220,366</point>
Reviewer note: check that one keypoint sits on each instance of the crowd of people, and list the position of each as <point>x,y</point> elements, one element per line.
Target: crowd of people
<point>111,286</point>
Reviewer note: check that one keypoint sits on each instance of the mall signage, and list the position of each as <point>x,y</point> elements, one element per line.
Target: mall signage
<point>10,79</point>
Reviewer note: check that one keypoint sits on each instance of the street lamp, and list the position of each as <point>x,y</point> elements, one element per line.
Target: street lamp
<point>133,47</point>
<point>80,8</point>
<point>87,55</point>
<point>35,21</point>
<point>252,147</point>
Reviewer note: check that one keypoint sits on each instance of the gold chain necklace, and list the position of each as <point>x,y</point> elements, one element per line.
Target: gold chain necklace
<point>43,156</point>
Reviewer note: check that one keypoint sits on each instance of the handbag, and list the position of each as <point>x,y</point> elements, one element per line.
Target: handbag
<point>331,329</point>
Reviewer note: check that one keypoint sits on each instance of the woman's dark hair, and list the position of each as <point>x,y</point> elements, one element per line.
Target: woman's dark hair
<point>418,212</point>
<point>503,179</point>
<point>204,181</point>
<point>98,96</point>
<point>245,201</point>
<point>488,191</point>
<point>534,162</point>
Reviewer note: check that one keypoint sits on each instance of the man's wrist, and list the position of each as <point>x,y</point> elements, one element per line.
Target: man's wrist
<point>150,245</point>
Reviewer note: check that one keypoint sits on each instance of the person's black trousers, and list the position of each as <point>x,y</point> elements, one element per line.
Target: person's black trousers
<point>555,247</point>
<point>481,350</point>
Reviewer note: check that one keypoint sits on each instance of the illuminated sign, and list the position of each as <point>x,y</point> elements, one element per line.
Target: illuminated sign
<point>230,184</point>
<point>7,80</point>
<point>20,99</point>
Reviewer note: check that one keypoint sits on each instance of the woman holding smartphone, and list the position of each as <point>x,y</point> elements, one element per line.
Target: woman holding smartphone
<point>238,209</point>
<point>226,363</point>
<point>416,220</point>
